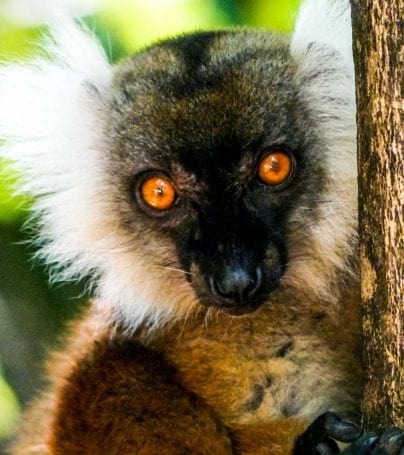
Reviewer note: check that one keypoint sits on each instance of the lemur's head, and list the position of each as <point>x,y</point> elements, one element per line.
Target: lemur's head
<point>214,169</point>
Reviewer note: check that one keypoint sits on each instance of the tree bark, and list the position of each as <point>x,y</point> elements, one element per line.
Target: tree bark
<point>378,54</point>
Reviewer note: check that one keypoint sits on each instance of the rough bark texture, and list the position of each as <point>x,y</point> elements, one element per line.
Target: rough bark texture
<point>378,51</point>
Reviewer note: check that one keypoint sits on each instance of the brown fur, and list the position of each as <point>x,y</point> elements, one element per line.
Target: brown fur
<point>212,386</point>
<point>116,421</point>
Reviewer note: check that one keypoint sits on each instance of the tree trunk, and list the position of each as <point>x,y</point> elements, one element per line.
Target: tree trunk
<point>378,53</point>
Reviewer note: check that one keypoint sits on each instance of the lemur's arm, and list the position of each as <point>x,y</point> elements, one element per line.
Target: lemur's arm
<point>124,399</point>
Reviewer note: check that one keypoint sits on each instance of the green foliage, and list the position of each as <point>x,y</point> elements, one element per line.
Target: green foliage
<point>140,23</point>
<point>12,207</point>
<point>276,15</point>
<point>9,409</point>
<point>15,42</point>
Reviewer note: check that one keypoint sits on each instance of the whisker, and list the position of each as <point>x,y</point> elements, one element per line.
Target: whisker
<point>174,269</point>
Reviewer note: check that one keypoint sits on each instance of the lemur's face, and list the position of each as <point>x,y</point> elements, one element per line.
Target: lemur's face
<point>216,160</point>
<point>217,170</point>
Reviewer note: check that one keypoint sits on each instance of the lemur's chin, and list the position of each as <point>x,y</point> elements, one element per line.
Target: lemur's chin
<point>241,311</point>
<point>234,309</point>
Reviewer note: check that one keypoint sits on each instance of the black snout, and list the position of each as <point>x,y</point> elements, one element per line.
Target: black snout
<point>236,286</point>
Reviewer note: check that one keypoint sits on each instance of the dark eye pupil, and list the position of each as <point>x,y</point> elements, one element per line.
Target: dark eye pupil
<point>275,164</point>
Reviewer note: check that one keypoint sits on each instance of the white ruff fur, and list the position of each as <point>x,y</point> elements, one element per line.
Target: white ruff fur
<point>52,116</point>
<point>322,47</point>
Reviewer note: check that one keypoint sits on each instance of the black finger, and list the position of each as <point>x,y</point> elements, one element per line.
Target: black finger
<point>330,424</point>
<point>390,443</point>
<point>363,446</point>
<point>329,447</point>
<point>326,447</point>
<point>308,442</point>
<point>318,435</point>
<point>341,430</point>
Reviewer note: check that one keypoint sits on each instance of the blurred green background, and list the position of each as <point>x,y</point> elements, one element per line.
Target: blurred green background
<point>32,313</point>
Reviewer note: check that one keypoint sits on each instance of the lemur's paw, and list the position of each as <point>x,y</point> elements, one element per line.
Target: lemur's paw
<point>391,442</point>
<point>320,437</point>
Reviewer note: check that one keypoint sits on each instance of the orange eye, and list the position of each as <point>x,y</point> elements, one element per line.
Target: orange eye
<point>276,168</point>
<point>158,193</point>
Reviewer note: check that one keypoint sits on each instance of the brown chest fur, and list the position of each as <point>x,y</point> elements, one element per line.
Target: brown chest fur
<point>287,359</point>
<point>280,366</point>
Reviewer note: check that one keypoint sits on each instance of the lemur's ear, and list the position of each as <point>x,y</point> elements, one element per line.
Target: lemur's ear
<point>52,116</point>
<point>324,22</point>
<point>321,49</point>
<point>51,107</point>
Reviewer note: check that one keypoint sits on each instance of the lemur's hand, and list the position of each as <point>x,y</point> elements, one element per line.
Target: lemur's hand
<point>320,437</point>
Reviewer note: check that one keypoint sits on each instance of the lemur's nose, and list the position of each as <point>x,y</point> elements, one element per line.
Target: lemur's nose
<point>237,285</point>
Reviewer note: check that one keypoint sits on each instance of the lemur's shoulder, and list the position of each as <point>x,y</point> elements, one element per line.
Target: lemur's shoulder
<point>118,388</point>
<point>81,340</point>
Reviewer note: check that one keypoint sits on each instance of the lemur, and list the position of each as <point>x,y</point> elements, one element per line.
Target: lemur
<point>206,186</point>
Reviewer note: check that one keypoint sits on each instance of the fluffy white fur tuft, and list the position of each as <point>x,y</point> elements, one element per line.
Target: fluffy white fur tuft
<point>324,22</point>
<point>321,47</point>
<point>52,112</point>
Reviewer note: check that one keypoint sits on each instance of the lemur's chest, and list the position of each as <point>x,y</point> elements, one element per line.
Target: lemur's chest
<point>251,370</point>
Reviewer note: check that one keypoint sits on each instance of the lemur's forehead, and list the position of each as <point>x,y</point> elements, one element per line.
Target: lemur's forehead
<point>208,97</point>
